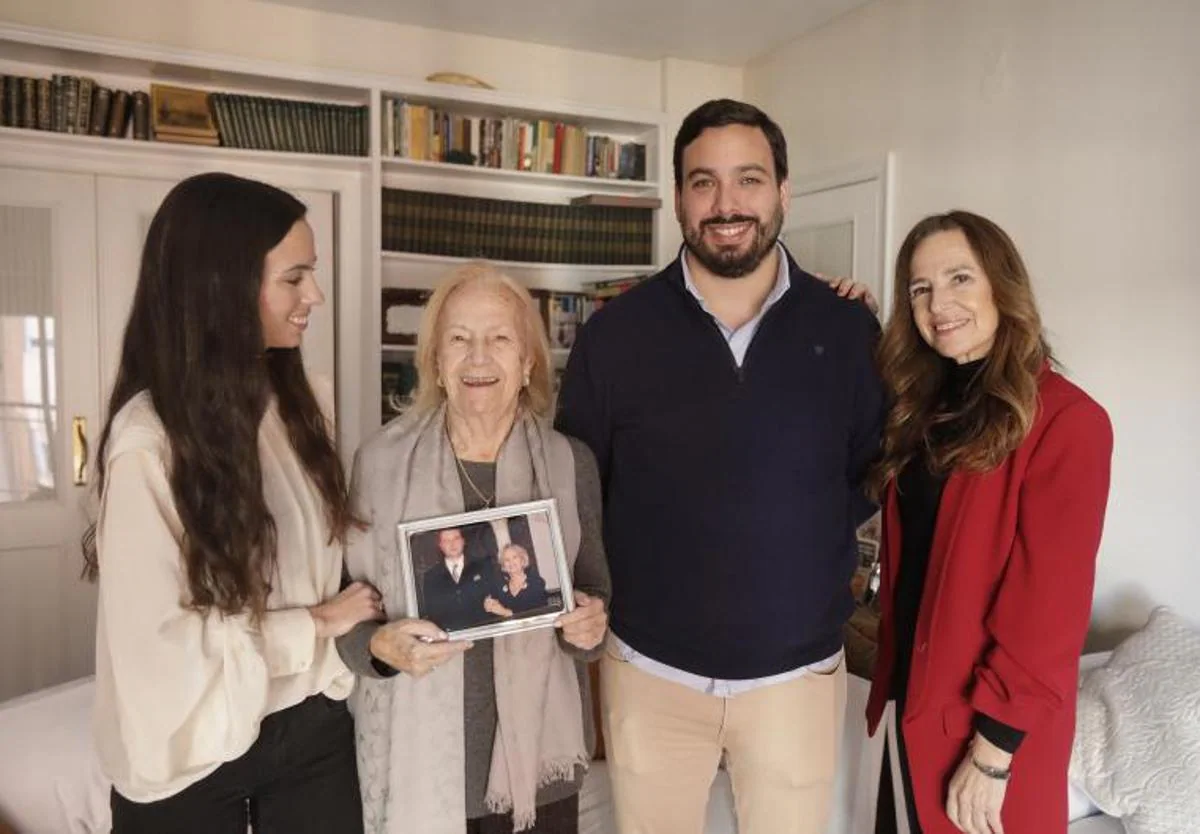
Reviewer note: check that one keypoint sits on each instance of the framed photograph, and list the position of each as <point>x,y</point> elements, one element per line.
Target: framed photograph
<point>487,573</point>
<point>402,314</point>
<point>181,112</point>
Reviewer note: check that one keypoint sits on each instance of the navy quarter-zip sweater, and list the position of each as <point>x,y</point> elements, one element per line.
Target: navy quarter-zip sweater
<point>731,495</point>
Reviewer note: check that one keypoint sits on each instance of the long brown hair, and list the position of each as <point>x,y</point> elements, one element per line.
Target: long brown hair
<point>194,342</point>
<point>1001,404</point>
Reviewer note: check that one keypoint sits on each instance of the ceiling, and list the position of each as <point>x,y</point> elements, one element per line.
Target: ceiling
<point>713,31</point>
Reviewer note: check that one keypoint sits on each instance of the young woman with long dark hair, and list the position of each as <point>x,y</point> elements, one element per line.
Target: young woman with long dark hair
<point>218,546</point>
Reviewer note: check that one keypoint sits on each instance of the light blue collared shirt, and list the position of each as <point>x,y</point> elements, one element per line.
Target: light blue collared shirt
<point>739,340</point>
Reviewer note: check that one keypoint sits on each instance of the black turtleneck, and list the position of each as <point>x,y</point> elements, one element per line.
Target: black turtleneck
<point>920,494</point>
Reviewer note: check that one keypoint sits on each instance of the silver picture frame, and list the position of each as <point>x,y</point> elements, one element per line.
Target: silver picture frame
<point>456,606</point>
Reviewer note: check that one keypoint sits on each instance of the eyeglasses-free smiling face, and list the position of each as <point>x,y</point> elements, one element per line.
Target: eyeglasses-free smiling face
<point>481,356</point>
<point>729,206</point>
<point>289,288</point>
<point>951,297</point>
<point>513,561</point>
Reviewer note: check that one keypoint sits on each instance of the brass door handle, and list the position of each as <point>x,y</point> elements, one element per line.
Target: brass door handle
<point>79,450</point>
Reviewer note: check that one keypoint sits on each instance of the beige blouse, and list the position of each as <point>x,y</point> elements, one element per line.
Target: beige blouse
<point>179,692</point>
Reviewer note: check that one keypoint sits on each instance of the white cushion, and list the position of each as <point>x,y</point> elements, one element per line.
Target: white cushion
<point>1097,825</point>
<point>1079,804</point>
<point>50,779</point>
<point>1137,738</point>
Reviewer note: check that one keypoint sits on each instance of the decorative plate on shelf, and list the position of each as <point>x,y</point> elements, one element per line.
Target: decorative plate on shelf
<point>459,78</point>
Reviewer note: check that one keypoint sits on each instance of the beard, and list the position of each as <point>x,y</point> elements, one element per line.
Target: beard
<point>730,261</point>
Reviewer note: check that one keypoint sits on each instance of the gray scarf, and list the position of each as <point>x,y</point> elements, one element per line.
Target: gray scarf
<point>411,752</point>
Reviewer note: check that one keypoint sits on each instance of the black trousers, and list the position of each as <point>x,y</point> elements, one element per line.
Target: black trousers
<point>885,816</point>
<point>299,777</point>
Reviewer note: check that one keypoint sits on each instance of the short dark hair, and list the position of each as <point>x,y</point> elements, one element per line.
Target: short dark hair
<point>720,112</point>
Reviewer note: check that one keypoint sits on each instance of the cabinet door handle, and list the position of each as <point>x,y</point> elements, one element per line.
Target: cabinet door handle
<point>79,450</point>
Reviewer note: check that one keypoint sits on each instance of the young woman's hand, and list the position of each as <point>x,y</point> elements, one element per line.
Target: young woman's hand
<point>357,602</point>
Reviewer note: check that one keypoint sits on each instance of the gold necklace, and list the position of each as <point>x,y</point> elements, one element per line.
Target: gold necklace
<point>487,502</point>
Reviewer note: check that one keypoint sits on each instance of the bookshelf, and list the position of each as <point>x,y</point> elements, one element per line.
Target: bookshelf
<point>362,267</point>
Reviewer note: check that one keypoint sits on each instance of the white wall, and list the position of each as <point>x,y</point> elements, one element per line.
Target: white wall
<point>1076,126</point>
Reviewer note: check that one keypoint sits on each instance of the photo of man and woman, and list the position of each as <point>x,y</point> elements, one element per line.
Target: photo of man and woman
<point>488,572</point>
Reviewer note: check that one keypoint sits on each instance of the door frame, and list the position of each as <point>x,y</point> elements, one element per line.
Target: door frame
<point>345,178</point>
<point>880,170</point>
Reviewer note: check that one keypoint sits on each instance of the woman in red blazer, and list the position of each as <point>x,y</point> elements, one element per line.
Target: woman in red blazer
<point>994,479</point>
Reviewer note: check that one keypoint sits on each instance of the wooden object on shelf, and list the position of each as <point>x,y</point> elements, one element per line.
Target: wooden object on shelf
<point>459,78</point>
<point>181,114</point>
<point>617,201</point>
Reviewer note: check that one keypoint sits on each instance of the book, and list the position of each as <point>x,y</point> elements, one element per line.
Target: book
<point>45,115</point>
<point>141,116</point>
<point>58,111</point>
<point>118,115</point>
<point>617,201</point>
<point>28,102</point>
<point>101,102</point>
<point>83,120</point>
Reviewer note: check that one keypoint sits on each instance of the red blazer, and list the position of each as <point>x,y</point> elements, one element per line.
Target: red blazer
<point>1007,599</point>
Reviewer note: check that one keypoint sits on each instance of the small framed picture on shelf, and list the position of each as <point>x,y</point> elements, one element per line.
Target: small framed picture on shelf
<point>180,113</point>
<point>487,573</point>
<point>402,314</point>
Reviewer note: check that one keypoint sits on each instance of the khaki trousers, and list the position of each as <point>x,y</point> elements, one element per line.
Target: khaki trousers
<point>665,741</point>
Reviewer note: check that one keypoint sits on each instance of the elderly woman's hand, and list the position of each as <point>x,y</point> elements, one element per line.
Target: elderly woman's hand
<point>492,606</point>
<point>415,647</point>
<point>585,626</point>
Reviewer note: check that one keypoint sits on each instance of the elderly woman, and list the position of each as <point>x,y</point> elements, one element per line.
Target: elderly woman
<point>520,590</point>
<point>994,473</point>
<point>492,736</point>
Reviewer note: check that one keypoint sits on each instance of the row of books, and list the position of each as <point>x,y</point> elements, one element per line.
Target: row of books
<point>73,104</point>
<point>275,124</point>
<point>431,223</point>
<point>426,133</point>
<point>562,315</point>
<point>599,292</point>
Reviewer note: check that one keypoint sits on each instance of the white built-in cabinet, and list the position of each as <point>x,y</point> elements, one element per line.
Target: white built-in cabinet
<point>73,213</point>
